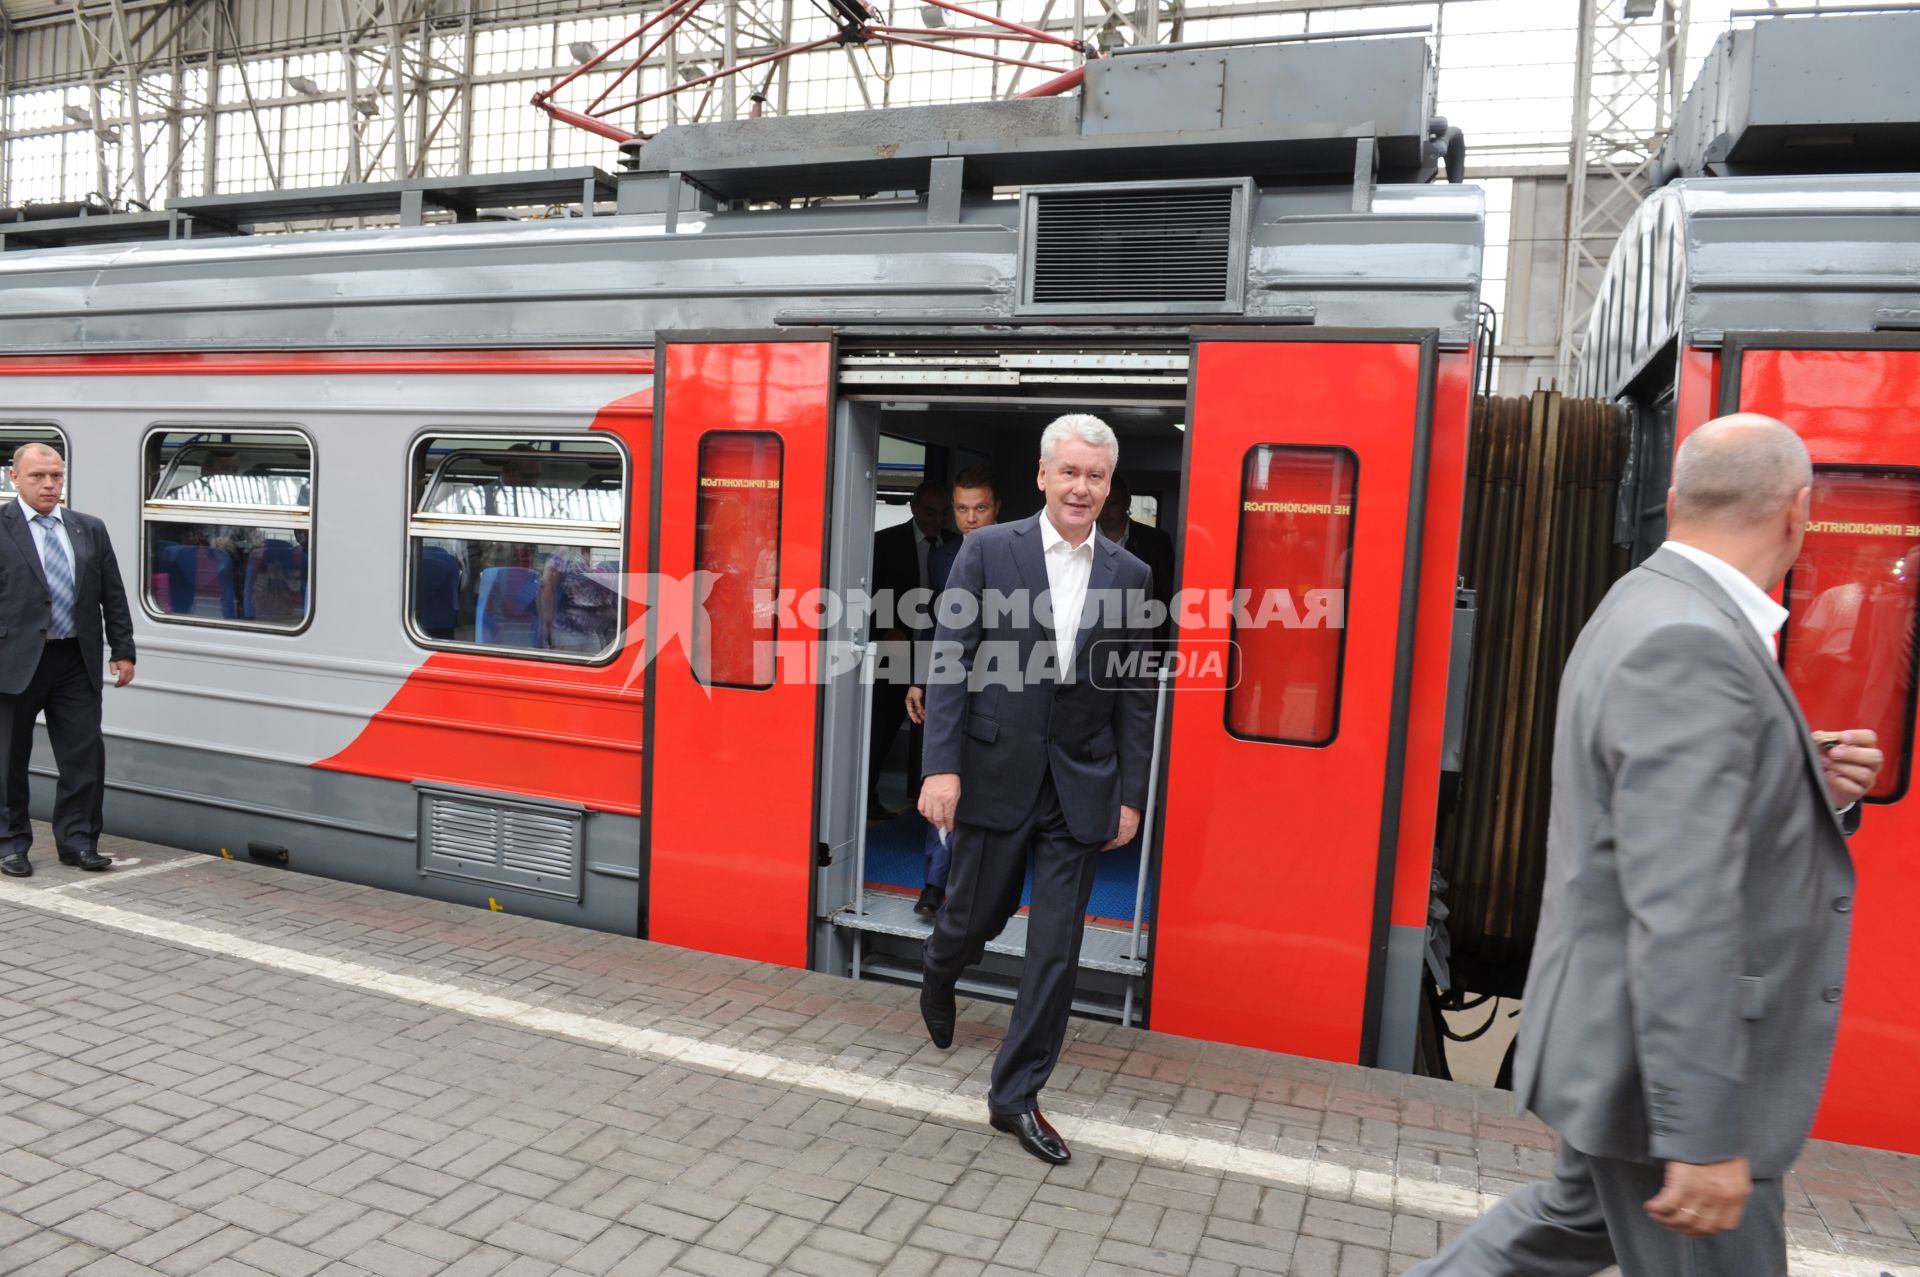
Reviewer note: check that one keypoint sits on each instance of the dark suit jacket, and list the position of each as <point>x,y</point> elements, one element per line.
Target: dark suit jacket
<point>940,563</point>
<point>1692,949</point>
<point>1155,549</point>
<point>896,564</point>
<point>100,613</point>
<point>1001,730</point>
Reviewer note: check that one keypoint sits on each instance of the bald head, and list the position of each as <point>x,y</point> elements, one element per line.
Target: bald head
<point>34,448</point>
<point>1739,472</point>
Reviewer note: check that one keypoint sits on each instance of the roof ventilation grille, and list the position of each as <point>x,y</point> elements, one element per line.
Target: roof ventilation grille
<point>1177,248</point>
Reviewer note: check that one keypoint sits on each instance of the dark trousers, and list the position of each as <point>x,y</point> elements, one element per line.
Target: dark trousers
<point>989,867</point>
<point>70,699</point>
<point>1592,1215</point>
<point>889,712</point>
<point>938,856</point>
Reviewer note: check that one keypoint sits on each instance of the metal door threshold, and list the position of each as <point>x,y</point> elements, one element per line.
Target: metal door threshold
<point>990,989</point>
<point>1103,949</point>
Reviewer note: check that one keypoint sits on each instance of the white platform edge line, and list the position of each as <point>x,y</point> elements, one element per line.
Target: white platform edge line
<point>1374,1188</point>
<point>121,875</point>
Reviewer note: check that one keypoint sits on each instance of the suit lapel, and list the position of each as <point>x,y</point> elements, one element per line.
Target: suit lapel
<point>1681,569</point>
<point>82,542</point>
<point>1106,562</point>
<point>22,535</point>
<point>1029,558</point>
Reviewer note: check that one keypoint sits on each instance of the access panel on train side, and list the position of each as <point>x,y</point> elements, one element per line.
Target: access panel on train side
<point>732,711</point>
<point>1849,650</point>
<point>1305,494</point>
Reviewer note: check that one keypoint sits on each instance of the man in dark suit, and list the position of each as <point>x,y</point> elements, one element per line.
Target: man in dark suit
<point>1686,983</point>
<point>61,601</point>
<point>1038,743</point>
<point>976,505</point>
<point>900,566</point>
<point>1144,542</point>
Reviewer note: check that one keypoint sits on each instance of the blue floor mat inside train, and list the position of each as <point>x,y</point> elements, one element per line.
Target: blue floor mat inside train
<point>896,861</point>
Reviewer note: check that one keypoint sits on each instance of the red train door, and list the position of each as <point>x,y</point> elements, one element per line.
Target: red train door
<point>740,466</point>
<point>1849,651</point>
<point>1306,474</point>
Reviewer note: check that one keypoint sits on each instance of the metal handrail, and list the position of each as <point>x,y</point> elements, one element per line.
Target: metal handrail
<point>1165,678</point>
<point>867,655</point>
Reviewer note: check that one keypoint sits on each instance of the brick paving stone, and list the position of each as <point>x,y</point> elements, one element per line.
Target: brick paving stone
<point>217,1116</point>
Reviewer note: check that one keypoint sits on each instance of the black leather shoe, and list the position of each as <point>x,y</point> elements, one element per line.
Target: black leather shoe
<point>92,861</point>
<point>937,1009</point>
<point>930,901</point>
<point>16,866</point>
<point>1035,1135</point>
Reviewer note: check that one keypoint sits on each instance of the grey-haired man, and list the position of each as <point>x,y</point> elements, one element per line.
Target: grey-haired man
<point>1048,767</point>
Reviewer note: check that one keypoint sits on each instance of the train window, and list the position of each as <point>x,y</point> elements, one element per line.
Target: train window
<point>515,545</point>
<point>737,542</point>
<point>1294,563</point>
<point>15,433</point>
<point>227,527</point>
<point>1848,647</point>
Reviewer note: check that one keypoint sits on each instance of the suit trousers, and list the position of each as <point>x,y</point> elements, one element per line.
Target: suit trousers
<point>989,868</point>
<point>938,857</point>
<point>1592,1213</point>
<point>71,700</point>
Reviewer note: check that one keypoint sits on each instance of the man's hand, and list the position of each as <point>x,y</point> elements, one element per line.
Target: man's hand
<point>122,672</point>
<point>917,704</point>
<point>1129,826</point>
<point>939,797</point>
<point>1851,766</point>
<point>1702,1201</point>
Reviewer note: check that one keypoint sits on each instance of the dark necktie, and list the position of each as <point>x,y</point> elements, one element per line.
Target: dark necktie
<point>59,577</point>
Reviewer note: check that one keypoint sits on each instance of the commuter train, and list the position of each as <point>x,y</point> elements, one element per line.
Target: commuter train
<point>452,543</point>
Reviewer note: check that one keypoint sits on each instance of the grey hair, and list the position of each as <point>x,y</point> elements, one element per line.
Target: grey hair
<point>1082,426</point>
<point>35,445</point>
<point>1739,470</point>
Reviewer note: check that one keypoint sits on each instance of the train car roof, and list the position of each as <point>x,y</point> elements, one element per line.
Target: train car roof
<point>1383,256</point>
<point>1707,256</point>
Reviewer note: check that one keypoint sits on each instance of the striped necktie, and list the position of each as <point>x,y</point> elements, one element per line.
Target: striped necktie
<point>59,577</point>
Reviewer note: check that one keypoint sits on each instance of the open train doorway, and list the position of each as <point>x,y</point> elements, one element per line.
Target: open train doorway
<point>911,422</point>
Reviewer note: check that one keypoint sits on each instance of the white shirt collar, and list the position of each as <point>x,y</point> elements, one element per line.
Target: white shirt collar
<point>59,514</point>
<point>1765,615</point>
<point>1050,538</point>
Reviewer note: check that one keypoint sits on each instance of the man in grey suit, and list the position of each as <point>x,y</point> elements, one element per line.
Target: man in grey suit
<point>61,601</point>
<point>1038,744</point>
<point>1687,976</point>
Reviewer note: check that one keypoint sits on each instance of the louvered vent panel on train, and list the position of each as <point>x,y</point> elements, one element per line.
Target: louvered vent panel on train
<point>506,843</point>
<point>1177,248</point>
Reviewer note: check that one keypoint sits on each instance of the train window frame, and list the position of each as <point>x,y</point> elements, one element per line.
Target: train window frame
<point>420,482</point>
<point>166,511</point>
<point>1237,668</point>
<point>1900,790</point>
<point>66,453</point>
<point>779,531</point>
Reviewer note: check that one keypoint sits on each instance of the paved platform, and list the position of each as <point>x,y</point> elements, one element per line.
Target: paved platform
<point>220,1068</point>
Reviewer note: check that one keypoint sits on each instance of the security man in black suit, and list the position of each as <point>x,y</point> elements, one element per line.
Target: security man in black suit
<point>61,601</point>
<point>1038,742</point>
<point>1144,542</point>
<point>900,557</point>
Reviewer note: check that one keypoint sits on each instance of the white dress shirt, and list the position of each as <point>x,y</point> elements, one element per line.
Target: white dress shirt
<point>1754,603</point>
<point>41,532</point>
<point>1069,567</point>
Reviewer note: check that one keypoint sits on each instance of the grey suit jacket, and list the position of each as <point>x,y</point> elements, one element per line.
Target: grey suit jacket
<point>1687,976</point>
<point>101,616</point>
<point>1002,732</point>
